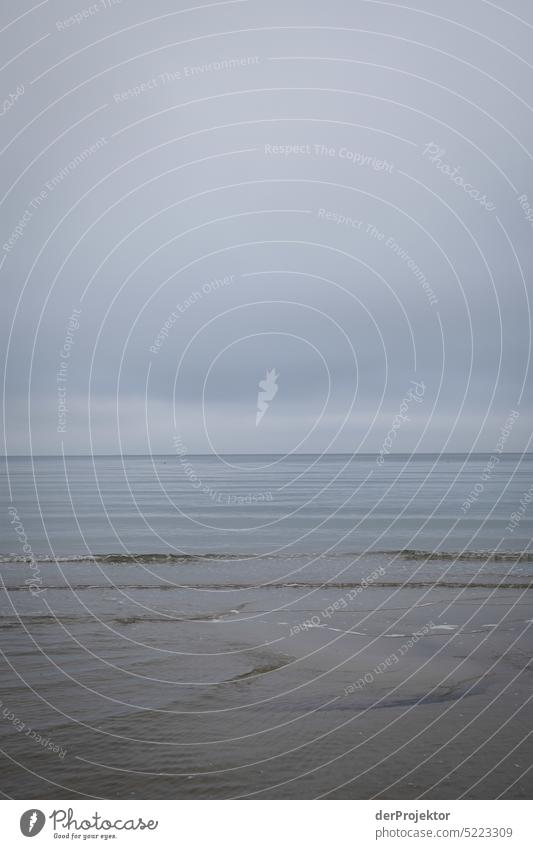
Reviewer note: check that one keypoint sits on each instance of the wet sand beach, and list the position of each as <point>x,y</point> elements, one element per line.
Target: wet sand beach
<point>378,675</point>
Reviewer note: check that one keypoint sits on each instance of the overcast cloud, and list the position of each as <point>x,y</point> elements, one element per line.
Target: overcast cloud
<point>192,197</point>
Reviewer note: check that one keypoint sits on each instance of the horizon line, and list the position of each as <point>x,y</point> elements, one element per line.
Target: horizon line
<point>276,454</point>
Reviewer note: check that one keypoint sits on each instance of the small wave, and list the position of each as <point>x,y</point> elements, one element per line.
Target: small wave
<point>164,557</point>
<point>293,585</point>
<point>506,556</point>
<point>156,557</point>
<point>182,558</point>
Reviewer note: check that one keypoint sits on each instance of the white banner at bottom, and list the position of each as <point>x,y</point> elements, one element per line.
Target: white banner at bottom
<point>264,824</point>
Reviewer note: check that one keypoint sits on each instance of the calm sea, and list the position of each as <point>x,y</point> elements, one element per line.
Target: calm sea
<point>264,626</point>
<point>262,504</point>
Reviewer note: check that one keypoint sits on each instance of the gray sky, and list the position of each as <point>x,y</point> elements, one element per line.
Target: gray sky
<point>335,191</point>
